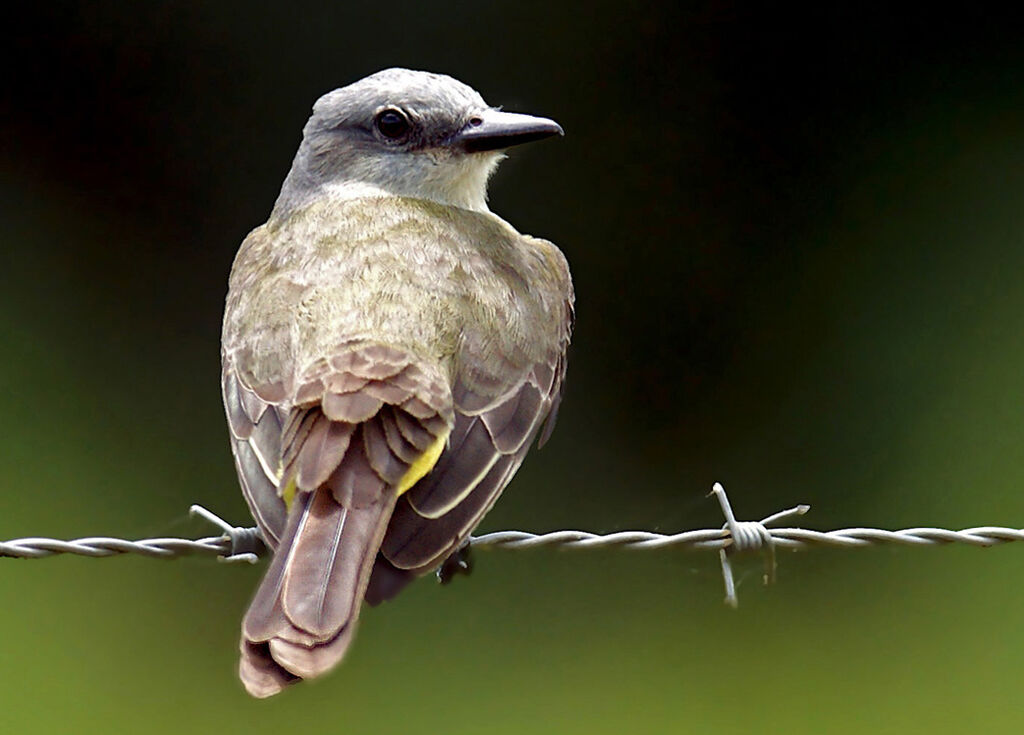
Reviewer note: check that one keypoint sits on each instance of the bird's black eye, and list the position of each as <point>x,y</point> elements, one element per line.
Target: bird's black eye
<point>392,123</point>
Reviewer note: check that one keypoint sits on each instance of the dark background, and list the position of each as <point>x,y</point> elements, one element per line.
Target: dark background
<point>797,239</point>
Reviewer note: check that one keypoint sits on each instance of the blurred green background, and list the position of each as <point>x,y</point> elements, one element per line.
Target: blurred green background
<point>797,239</point>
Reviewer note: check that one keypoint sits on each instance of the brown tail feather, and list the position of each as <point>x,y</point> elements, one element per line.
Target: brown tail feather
<point>305,611</point>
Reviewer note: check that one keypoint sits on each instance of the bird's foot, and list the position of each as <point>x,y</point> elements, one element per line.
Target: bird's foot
<point>459,562</point>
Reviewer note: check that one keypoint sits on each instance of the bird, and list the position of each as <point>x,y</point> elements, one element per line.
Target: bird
<point>390,351</point>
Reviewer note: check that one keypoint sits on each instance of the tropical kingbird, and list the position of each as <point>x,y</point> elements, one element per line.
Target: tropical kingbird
<point>390,350</point>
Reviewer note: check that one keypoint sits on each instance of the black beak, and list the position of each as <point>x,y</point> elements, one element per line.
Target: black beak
<point>492,130</point>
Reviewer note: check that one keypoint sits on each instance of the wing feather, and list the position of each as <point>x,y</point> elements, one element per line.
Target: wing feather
<point>256,447</point>
<point>485,449</point>
<point>417,543</point>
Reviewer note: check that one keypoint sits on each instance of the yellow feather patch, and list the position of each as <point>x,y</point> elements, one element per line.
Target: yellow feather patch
<point>288,494</point>
<point>420,467</point>
<point>423,464</point>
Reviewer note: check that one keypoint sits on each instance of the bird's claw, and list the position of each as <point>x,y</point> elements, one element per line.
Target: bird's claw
<point>458,562</point>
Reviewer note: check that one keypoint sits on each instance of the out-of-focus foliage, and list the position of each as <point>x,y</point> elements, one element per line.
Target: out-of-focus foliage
<point>797,239</point>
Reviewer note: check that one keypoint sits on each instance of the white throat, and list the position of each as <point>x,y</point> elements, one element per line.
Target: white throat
<point>452,180</point>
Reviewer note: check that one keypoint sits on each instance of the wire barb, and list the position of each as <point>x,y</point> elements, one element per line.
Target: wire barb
<point>246,543</point>
<point>238,544</point>
<point>748,536</point>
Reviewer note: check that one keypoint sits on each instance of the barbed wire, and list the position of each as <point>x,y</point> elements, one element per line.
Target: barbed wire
<point>238,544</point>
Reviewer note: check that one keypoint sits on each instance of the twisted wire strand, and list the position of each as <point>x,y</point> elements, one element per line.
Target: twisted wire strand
<point>716,539</point>
<point>238,544</point>
<point>102,546</point>
<point>698,540</point>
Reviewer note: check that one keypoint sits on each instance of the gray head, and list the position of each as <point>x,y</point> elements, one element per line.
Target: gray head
<point>405,133</point>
